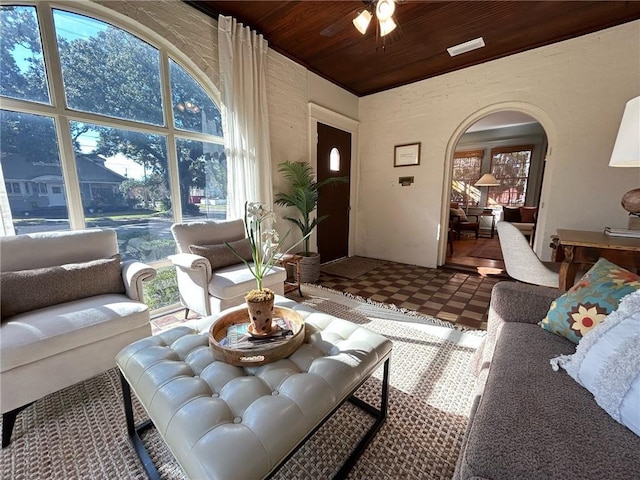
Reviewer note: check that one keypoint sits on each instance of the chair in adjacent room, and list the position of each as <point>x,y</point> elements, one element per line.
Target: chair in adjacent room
<point>521,262</point>
<point>459,221</point>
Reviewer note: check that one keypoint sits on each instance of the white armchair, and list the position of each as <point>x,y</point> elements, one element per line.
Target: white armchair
<point>207,289</point>
<point>69,305</point>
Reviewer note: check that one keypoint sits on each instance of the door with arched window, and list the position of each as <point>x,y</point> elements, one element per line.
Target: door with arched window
<point>334,160</point>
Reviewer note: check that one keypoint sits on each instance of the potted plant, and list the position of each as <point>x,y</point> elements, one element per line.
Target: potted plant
<point>265,245</point>
<point>303,196</point>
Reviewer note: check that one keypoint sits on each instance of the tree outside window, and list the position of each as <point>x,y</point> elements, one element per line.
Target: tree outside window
<point>510,165</point>
<point>124,132</point>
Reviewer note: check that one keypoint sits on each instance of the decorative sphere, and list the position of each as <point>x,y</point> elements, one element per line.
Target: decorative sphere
<point>631,201</point>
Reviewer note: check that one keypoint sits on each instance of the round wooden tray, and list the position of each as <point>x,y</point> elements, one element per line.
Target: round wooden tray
<point>259,355</point>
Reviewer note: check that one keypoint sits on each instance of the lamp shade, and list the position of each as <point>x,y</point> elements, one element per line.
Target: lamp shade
<point>487,180</point>
<point>362,21</point>
<point>626,151</point>
<point>387,26</point>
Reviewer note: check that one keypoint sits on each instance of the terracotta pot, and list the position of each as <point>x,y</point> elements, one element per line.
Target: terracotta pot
<point>260,306</point>
<point>309,268</point>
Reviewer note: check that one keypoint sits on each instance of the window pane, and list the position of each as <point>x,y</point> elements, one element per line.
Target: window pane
<point>511,166</point>
<point>193,109</point>
<point>32,172</point>
<point>466,172</point>
<point>22,70</point>
<point>203,179</point>
<point>162,290</point>
<point>107,70</point>
<point>123,184</point>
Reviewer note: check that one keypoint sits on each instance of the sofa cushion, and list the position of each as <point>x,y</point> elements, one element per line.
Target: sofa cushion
<point>511,214</point>
<point>607,363</point>
<point>27,290</point>
<point>43,333</point>
<point>221,255</point>
<point>235,280</point>
<point>528,214</point>
<point>590,300</point>
<point>533,423</point>
<point>458,212</point>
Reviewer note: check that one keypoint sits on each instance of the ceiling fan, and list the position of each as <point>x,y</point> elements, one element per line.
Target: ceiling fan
<point>383,10</point>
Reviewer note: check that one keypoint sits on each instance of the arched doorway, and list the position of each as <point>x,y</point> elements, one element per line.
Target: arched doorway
<point>496,172</point>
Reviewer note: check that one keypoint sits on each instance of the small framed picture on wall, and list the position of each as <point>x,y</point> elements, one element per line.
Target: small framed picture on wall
<point>407,155</point>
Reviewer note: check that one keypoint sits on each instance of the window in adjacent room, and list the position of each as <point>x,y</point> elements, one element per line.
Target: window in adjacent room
<point>466,171</point>
<point>510,165</point>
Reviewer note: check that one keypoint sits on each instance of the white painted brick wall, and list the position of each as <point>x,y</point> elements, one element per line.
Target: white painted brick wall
<point>581,85</point>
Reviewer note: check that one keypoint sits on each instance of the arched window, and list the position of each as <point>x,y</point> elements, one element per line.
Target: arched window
<point>91,136</point>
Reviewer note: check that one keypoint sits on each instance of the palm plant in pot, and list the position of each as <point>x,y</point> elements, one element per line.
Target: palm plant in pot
<point>303,196</point>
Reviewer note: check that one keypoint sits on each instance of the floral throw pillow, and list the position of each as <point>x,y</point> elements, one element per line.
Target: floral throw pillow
<point>589,301</point>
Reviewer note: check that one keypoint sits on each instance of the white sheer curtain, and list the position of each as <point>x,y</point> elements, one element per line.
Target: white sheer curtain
<point>245,119</point>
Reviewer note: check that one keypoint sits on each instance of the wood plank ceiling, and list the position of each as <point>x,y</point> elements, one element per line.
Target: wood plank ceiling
<point>320,35</point>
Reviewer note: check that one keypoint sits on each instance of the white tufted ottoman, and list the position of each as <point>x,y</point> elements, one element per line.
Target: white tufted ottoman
<point>212,414</point>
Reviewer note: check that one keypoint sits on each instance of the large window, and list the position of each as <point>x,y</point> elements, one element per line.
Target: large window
<point>466,172</point>
<point>510,165</point>
<point>91,136</point>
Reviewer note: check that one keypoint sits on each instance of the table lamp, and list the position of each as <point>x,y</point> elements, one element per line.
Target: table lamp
<point>626,153</point>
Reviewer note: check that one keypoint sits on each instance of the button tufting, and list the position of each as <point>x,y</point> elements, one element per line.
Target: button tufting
<point>275,392</point>
<point>216,395</point>
<point>237,420</point>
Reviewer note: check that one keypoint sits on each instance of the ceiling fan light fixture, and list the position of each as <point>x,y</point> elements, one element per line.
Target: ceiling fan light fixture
<point>361,22</point>
<point>384,10</point>
<point>387,26</point>
<point>466,46</point>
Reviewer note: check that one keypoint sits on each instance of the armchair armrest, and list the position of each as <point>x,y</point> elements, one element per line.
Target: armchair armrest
<point>191,261</point>
<point>133,274</point>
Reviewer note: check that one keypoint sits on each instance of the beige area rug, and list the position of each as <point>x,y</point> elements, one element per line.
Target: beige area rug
<point>351,267</point>
<point>80,433</point>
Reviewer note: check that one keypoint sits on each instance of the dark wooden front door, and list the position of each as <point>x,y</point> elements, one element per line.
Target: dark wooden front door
<point>333,200</point>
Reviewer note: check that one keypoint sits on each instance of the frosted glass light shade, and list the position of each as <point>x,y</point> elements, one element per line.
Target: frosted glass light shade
<point>626,150</point>
<point>387,26</point>
<point>384,10</point>
<point>362,21</point>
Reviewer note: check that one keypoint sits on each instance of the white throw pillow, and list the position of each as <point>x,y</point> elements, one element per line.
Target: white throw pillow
<point>607,363</point>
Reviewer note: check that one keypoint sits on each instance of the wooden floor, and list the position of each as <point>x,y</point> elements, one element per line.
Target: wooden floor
<point>461,257</point>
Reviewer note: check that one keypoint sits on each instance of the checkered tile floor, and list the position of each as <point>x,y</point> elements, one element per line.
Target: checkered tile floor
<point>458,297</point>
<point>455,296</point>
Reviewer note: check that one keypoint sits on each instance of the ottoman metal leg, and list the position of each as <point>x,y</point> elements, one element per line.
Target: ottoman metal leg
<point>135,430</point>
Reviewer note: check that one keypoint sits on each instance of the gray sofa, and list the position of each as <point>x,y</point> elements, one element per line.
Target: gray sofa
<point>528,421</point>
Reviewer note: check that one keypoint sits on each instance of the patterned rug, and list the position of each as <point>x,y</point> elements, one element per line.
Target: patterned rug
<point>489,250</point>
<point>80,432</point>
<point>352,267</point>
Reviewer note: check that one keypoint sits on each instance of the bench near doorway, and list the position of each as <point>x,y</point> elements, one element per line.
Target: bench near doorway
<point>215,416</point>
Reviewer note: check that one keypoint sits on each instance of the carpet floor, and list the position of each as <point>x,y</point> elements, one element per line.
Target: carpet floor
<point>80,432</point>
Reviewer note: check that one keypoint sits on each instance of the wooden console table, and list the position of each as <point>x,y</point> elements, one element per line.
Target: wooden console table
<point>581,247</point>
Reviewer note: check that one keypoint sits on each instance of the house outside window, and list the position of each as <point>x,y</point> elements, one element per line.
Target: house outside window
<point>133,134</point>
<point>511,165</point>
